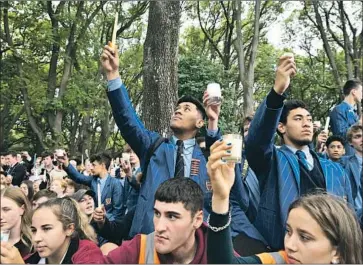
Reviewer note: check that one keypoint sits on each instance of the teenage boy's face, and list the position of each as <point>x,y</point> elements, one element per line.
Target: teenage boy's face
<point>298,129</point>
<point>186,117</point>
<point>174,227</point>
<point>335,150</point>
<point>357,142</point>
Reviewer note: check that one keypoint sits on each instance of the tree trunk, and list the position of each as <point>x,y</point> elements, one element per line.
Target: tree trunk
<point>246,68</point>
<point>160,71</point>
<point>327,48</point>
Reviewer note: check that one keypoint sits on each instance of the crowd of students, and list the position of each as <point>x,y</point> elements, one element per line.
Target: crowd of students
<point>176,200</point>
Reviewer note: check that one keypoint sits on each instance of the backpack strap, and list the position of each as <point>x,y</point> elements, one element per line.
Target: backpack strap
<point>155,145</point>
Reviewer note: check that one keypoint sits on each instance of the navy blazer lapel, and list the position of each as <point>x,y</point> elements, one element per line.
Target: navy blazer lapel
<point>169,154</point>
<point>294,163</point>
<point>106,188</point>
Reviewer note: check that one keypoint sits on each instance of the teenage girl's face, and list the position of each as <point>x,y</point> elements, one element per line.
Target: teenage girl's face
<point>305,241</point>
<point>11,213</point>
<point>49,238</point>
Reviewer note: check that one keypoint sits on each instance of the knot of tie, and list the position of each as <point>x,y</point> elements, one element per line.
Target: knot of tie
<point>300,154</point>
<point>302,157</point>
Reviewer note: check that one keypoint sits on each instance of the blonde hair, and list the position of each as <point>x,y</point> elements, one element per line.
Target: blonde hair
<point>16,195</point>
<point>68,212</point>
<point>62,183</point>
<point>338,222</point>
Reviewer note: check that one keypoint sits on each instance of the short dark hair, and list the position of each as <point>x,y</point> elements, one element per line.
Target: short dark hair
<point>290,105</point>
<point>102,158</point>
<point>44,193</point>
<point>182,190</point>
<point>11,153</point>
<point>350,85</point>
<point>196,102</point>
<point>334,138</point>
<point>46,154</point>
<point>247,119</point>
<point>353,129</point>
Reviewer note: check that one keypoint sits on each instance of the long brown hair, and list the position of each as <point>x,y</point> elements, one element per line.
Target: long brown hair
<point>16,194</point>
<point>68,212</point>
<point>338,222</point>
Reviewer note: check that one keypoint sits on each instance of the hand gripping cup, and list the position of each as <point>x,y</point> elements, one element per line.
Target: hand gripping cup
<point>236,151</point>
<point>215,94</point>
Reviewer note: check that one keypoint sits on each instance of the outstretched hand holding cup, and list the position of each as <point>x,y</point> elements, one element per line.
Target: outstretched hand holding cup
<point>221,174</point>
<point>285,70</point>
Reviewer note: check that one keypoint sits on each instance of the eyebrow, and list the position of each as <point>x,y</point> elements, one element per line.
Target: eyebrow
<point>168,212</point>
<point>300,115</point>
<point>304,231</point>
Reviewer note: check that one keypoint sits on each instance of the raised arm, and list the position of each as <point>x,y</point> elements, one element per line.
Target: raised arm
<point>131,128</point>
<point>260,139</point>
<point>73,173</point>
<point>222,176</point>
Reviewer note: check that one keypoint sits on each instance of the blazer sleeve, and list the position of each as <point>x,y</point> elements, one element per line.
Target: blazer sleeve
<point>78,177</point>
<point>259,144</point>
<point>131,128</point>
<point>339,123</point>
<point>117,230</point>
<point>220,247</point>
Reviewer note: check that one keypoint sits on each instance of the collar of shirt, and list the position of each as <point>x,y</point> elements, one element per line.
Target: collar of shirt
<point>306,151</point>
<point>187,143</point>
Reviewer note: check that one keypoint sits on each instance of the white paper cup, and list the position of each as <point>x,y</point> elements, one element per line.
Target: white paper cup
<point>236,151</point>
<point>215,94</point>
<point>5,234</point>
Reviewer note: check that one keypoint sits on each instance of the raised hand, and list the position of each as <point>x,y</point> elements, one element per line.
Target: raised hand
<point>212,112</point>
<point>284,72</point>
<point>221,175</point>
<point>110,62</point>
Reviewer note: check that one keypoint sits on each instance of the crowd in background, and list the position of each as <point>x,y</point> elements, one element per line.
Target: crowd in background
<point>181,200</point>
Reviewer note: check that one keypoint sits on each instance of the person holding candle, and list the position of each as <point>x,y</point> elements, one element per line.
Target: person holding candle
<point>178,156</point>
<point>108,189</point>
<point>344,115</point>
<point>320,228</point>
<point>293,170</point>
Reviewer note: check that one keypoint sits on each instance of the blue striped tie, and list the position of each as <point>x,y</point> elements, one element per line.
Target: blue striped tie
<point>302,157</point>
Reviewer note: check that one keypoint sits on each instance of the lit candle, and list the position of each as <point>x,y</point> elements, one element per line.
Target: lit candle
<point>326,128</point>
<point>99,194</point>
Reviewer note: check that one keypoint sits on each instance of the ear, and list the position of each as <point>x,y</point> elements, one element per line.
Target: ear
<point>21,210</point>
<point>281,128</point>
<point>198,219</point>
<point>335,256</point>
<point>200,123</point>
<point>69,230</point>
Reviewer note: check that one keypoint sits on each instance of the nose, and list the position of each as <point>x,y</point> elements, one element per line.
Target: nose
<point>290,243</point>
<point>160,225</point>
<point>36,237</point>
